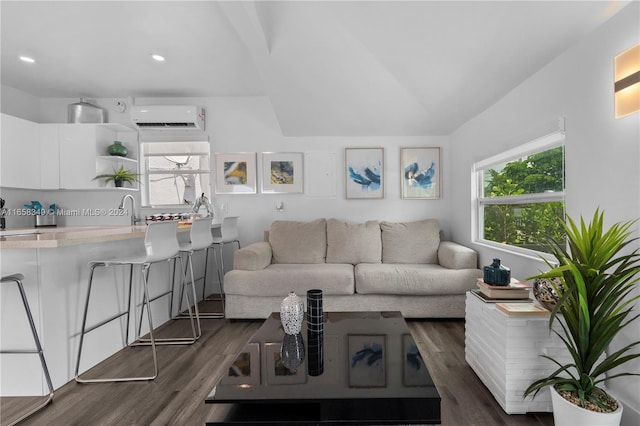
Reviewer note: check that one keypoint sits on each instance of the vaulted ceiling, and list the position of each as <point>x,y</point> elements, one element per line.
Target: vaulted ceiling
<point>348,68</point>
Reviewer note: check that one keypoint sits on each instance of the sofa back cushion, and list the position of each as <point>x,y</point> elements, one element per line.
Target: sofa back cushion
<point>353,242</point>
<point>298,242</point>
<point>410,242</point>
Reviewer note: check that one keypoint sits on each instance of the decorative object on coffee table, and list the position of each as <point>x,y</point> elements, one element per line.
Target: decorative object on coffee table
<point>497,274</point>
<point>292,313</point>
<point>314,311</point>
<point>545,293</point>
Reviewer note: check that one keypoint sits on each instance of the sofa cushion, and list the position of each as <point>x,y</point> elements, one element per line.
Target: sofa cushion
<point>410,242</point>
<point>413,280</point>
<point>298,242</point>
<point>253,257</point>
<point>279,280</point>
<point>353,242</point>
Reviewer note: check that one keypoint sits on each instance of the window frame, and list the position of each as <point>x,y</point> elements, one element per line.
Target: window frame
<point>547,142</point>
<point>146,173</point>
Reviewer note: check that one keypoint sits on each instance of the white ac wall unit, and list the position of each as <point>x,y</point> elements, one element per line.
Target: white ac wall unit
<point>168,117</point>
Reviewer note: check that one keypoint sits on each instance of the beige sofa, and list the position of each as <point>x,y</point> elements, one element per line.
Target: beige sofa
<point>372,266</point>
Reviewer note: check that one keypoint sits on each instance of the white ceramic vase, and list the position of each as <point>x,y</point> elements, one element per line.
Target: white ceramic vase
<point>292,313</point>
<point>567,414</point>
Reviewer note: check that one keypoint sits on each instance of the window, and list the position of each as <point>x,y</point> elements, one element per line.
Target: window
<point>520,195</point>
<point>174,173</point>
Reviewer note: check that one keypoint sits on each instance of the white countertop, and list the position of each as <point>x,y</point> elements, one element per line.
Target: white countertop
<point>52,237</point>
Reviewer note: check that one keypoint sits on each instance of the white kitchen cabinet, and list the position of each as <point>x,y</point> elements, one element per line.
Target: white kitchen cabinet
<point>73,154</point>
<point>19,153</point>
<point>83,153</point>
<point>49,160</point>
<point>62,156</point>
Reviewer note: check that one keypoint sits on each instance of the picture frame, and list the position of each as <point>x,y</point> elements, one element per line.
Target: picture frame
<point>282,172</point>
<point>414,370</point>
<point>277,373</point>
<point>236,173</point>
<point>245,369</point>
<point>421,175</point>
<point>364,173</point>
<point>367,358</point>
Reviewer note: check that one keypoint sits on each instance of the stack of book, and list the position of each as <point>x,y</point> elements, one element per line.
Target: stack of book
<point>515,291</point>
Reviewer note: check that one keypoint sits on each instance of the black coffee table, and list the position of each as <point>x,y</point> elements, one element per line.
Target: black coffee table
<point>368,371</point>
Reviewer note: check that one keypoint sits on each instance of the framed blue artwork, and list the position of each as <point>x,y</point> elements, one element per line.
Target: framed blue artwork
<point>420,168</point>
<point>364,173</point>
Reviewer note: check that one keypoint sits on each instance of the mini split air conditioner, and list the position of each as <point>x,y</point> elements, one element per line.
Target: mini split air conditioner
<point>168,117</point>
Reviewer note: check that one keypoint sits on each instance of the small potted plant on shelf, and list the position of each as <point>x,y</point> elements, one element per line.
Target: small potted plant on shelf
<point>594,281</point>
<point>119,177</point>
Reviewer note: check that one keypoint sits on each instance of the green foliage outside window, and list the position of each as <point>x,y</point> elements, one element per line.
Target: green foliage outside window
<point>526,225</point>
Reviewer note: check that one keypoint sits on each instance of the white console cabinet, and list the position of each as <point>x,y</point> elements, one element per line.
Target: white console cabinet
<point>504,351</point>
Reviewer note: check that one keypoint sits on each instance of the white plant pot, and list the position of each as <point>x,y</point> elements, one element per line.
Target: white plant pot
<point>567,414</point>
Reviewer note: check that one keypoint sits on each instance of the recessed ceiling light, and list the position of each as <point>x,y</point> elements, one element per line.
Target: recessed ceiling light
<point>157,57</point>
<point>27,59</point>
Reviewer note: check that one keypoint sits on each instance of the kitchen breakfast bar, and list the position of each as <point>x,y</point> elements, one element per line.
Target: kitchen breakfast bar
<point>54,263</point>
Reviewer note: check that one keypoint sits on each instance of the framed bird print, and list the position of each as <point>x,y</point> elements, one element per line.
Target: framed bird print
<point>420,168</point>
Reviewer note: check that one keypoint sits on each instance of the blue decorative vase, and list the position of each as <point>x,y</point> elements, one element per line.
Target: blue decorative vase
<point>497,274</point>
<point>118,149</point>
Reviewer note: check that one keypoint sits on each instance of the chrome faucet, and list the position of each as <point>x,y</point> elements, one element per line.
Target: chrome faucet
<point>134,218</point>
<point>203,201</point>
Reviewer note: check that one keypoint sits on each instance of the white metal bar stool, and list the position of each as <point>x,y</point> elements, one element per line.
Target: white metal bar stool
<point>228,235</point>
<point>17,279</point>
<point>200,238</point>
<point>161,245</point>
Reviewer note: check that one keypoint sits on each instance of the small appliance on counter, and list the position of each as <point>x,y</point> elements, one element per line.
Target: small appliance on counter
<point>43,217</point>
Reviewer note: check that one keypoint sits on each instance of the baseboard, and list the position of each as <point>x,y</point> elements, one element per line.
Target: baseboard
<point>630,415</point>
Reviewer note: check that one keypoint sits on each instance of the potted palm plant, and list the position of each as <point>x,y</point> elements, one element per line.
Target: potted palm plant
<point>119,176</point>
<point>594,279</point>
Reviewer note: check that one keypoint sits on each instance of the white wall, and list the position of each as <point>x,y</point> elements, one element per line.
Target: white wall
<point>602,153</point>
<point>249,124</point>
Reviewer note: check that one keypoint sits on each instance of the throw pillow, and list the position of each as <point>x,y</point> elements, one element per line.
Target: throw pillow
<point>353,243</point>
<point>298,242</point>
<point>410,242</point>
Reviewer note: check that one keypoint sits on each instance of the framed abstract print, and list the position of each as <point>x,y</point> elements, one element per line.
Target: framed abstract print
<point>236,173</point>
<point>282,172</point>
<point>364,173</point>
<point>420,168</point>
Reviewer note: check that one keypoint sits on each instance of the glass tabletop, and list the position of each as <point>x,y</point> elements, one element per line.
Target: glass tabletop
<point>358,355</point>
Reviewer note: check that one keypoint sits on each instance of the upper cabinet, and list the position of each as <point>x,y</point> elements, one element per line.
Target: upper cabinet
<point>19,153</point>
<point>63,156</point>
<point>84,154</point>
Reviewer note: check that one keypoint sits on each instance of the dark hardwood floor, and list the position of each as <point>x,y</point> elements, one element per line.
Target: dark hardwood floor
<point>187,375</point>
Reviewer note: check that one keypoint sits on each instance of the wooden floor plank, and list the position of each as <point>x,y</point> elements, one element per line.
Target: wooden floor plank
<point>187,375</point>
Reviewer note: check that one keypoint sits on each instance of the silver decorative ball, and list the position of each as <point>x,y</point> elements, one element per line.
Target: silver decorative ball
<point>544,292</point>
